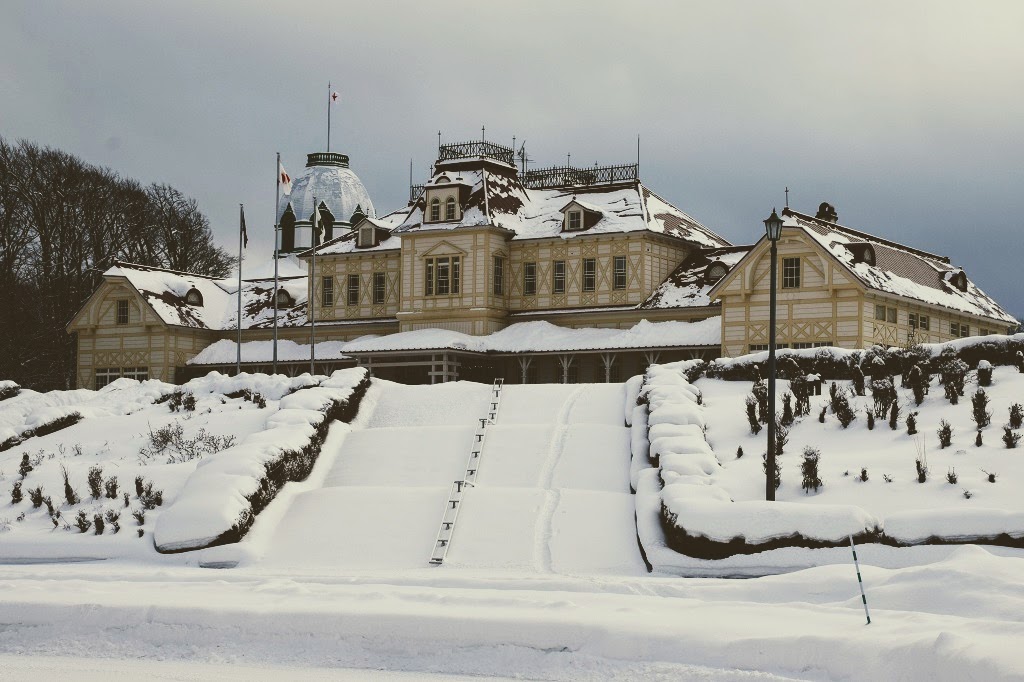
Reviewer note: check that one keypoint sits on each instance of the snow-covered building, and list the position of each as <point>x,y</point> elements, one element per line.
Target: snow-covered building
<point>842,287</point>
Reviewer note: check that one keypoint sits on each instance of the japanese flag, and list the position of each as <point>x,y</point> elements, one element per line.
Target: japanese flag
<point>285,179</point>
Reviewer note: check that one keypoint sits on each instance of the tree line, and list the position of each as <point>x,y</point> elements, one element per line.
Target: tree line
<point>63,221</point>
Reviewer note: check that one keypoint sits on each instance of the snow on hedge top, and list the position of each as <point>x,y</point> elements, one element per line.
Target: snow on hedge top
<point>497,197</point>
<point>167,293</point>
<point>544,336</point>
<point>898,269</point>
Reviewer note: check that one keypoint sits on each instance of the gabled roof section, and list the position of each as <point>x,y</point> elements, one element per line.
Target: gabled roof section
<point>165,292</point>
<point>689,284</point>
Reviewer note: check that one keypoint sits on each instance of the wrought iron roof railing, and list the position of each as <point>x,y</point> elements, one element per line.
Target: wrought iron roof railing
<point>462,150</point>
<point>414,192</point>
<point>567,176</point>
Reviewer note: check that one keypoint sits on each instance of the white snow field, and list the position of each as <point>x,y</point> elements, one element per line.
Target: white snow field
<point>543,580</point>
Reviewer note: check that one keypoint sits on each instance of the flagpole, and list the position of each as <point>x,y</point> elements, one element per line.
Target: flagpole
<point>238,356</point>
<point>277,235</point>
<point>328,115</point>
<point>312,291</point>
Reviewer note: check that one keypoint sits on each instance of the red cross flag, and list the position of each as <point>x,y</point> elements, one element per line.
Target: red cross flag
<point>285,179</point>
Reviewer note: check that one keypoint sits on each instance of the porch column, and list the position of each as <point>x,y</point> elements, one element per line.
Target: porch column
<point>524,365</point>
<point>608,359</point>
<point>565,360</point>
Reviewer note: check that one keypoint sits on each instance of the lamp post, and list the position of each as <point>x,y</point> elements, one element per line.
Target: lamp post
<point>773,228</point>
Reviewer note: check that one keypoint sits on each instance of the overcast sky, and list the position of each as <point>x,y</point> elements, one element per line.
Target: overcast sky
<point>907,116</point>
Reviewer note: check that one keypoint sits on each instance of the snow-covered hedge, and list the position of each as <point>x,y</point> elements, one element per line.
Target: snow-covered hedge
<point>9,389</point>
<point>838,363</point>
<point>222,497</point>
<point>45,421</point>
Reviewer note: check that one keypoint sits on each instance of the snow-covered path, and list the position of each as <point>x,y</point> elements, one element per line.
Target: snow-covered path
<point>552,493</point>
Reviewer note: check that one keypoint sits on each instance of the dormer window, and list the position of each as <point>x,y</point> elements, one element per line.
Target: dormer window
<point>449,209</point>
<point>574,221</point>
<point>715,272</point>
<point>193,297</point>
<point>435,210</point>
<point>366,237</point>
<point>284,299</point>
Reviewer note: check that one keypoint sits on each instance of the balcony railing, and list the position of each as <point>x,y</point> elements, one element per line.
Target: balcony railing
<point>462,150</point>
<point>567,176</point>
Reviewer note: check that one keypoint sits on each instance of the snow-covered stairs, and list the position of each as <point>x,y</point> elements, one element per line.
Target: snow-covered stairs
<point>454,504</point>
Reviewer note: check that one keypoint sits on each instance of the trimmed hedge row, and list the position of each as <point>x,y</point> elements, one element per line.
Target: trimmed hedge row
<point>293,465</point>
<point>42,430</point>
<point>9,391</point>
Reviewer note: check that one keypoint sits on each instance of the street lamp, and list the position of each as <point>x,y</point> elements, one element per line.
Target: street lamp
<point>773,228</point>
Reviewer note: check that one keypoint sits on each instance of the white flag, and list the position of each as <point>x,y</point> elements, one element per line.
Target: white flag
<point>285,179</point>
<point>318,227</point>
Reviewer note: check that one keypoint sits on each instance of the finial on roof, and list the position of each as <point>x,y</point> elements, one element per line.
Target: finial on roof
<point>827,211</point>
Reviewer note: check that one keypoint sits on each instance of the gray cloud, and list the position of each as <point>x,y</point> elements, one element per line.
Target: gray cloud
<point>906,116</point>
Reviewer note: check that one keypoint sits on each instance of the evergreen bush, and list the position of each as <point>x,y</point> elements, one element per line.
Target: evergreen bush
<point>982,415</point>
<point>16,495</point>
<point>894,415</point>
<point>809,470</point>
<point>95,481</point>
<point>984,373</point>
<point>1016,416</point>
<point>26,467</point>
<point>1010,437</point>
<point>912,423</point>
<point>945,434</point>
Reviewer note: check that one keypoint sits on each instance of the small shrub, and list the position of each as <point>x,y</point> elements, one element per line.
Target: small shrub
<point>912,423</point>
<point>863,475</point>
<point>802,390</point>
<point>739,452</point>
<point>760,393</point>
<point>978,440</point>
<point>83,522</point>
<point>25,467</point>
<point>125,499</point>
<point>16,495</point>
<point>140,516</point>
<point>781,438</point>
<point>778,469</point>
<point>110,487</point>
<point>787,409</point>
<point>36,495</point>
<point>97,520</point>
<point>979,402</point>
<point>951,476</point>
<point>181,401</point>
<point>984,373</point>
<point>809,470</point>
<point>151,499</point>
<point>922,470</point>
<point>821,416</point>
<point>968,494</point>
<point>954,376</point>
<point>95,480</point>
<point>883,392</point>
<point>70,496</point>
<point>945,434</point>
<point>833,392</point>
<point>49,507</point>
<point>755,424</point>
<point>138,485</point>
<point>1010,437</point>
<point>141,532</point>
<point>990,476</point>
<point>918,383</point>
<point>894,415</point>
<point>842,409</point>
<point>1016,416</point>
<point>871,418</point>
<point>113,518</point>
<point>858,380</point>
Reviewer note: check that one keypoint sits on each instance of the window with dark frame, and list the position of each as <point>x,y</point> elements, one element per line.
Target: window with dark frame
<point>442,276</point>
<point>327,292</point>
<point>122,311</point>
<point>529,279</point>
<point>790,273</point>
<point>380,290</point>
<point>498,283</point>
<point>105,375</point>
<point>428,286</point>
<point>558,277</point>
<point>449,209</point>
<point>443,270</point>
<point>880,312</point>
<point>620,272</point>
<point>353,289</point>
<point>589,274</point>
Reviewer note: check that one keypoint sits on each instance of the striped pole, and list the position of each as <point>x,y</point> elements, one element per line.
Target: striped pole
<point>859,581</point>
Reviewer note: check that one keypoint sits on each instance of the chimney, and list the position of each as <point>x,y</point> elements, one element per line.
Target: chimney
<point>827,211</point>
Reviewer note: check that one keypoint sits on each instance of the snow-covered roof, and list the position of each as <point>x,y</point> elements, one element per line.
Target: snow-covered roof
<point>224,351</point>
<point>497,197</point>
<point>165,291</point>
<point>332,182</point>
<point>541,337</point>
<point>690,283</point>
<point>346,243</point>
<point>898,269</point>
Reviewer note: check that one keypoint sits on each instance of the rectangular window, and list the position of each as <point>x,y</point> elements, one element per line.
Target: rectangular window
<point>529,279</point>
<point>757,347</point>
<point>790,273</point>
<point>456,270</point>
<point>954,329</point>
<point>137,373</point>
<point>803,344</point>
<point>122,312</point>
<point>912,320</point>
<point>107,374</point>
<point>890,314</point>
<point>428,287</point>
<point>575,220</point>
<point>880,312</point>
<point>380,290</point>
<point>620,272</point>
<point>327,298</point>
<point>498,284</point>
<point>923,322</point>
<point>558,277</point>
<point>823,344</point>
<point>353,289</point>
<point>965,330</point>
<point>444,276</point>
<point>589,274</point>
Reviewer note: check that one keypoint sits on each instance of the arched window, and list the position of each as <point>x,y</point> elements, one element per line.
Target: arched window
<point>715,272</point>
<point>193,297</point>
<point>435,210</point>
<point>449,209</point>
<point>284,299</point>
<point>288,230</point>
